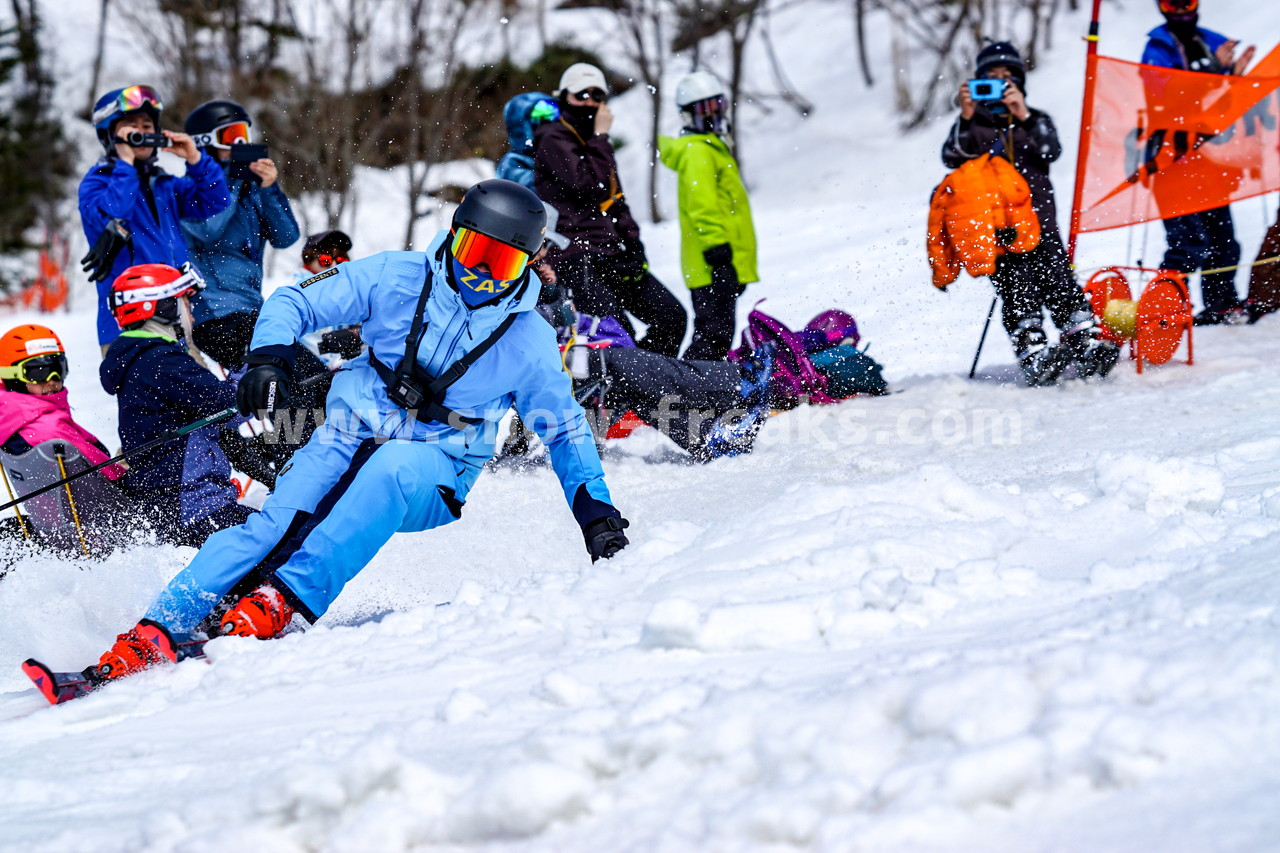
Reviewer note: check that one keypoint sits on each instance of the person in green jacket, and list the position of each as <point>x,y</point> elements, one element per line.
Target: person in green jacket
<point>717,237</point>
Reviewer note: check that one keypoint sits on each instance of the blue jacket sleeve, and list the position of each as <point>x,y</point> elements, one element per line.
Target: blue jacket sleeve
<point>202,192</point>
<point>339,296</point>
<point>281,226</point>
<point>107,195</point>
<point>201,233</point>
<point>545,403</point>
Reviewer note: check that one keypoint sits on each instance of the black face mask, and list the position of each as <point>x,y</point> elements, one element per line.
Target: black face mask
<point>579,115</point>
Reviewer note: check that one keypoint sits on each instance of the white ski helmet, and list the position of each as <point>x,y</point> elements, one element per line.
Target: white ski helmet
<point>581,76</point>
<point>697,86</point>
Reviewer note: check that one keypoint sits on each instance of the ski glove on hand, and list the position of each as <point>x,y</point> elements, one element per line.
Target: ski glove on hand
<point>343,342</point>
<point>632,263</point>
<point>264,388</point>
<point>724,275</point>
<point>604,536</point>
<point>102,256</point>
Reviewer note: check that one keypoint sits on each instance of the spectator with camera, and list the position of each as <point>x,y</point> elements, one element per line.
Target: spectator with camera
<point>228,247</point>
<point>995,119</point>
<point>604,266</point>
<point>129,207</point>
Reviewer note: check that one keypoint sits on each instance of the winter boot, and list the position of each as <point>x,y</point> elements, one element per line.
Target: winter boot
<point>731,438</point>
<point>1092,355</point>
<point>262,613</point>
<point>1041,364</point>
<point>133,651</point>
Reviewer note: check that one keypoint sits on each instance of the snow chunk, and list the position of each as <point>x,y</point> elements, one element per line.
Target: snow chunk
<point>520,802</point>
<point>1161,487</point>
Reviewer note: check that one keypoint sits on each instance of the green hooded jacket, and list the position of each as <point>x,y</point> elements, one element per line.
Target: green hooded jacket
<point>713,205</point>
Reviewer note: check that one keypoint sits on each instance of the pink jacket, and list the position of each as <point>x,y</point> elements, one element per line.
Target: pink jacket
<point>40,418</point>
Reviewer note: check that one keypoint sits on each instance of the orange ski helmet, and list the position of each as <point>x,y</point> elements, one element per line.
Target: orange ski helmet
<point>32,354</point>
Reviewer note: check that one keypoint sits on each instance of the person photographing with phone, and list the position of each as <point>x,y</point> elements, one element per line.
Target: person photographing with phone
<point>995,119</point>
<point>1206,240</point>
<point>127,197</point>
<point>228,248</point>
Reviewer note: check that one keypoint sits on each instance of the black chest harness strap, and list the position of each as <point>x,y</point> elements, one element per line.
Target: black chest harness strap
<point>410,386</point>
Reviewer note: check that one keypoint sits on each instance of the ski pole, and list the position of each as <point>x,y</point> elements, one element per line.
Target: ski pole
<point>973,368</point>
<point>59,451</point>
<point>155,442</point>
<point>9,488</point>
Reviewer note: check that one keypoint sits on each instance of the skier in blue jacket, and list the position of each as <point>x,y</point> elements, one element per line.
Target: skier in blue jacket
<point>409,424</point>
<point>1204,240</point>
<point>228,247</point>
<point>128,185</point>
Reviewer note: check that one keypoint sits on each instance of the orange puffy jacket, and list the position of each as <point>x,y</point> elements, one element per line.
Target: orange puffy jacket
<point>980,211</point>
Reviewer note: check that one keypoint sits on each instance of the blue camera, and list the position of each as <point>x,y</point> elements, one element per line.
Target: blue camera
<point>987,89</point>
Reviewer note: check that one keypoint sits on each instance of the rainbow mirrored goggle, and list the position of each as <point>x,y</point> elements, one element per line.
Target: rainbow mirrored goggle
<point>129,99</point>
<point>1173,7</point>
<point>224,136</point>
<point>505,262</point>
<point>38,369</point>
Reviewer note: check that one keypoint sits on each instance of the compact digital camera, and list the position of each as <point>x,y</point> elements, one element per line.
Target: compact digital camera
<point>138,139</point>
<point>987,89</point>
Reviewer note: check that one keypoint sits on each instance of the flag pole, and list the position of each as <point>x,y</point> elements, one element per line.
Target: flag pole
<point>1086,114</point>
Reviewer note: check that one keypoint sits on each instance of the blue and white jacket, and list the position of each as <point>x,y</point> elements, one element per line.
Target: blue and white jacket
<point>523,368</point>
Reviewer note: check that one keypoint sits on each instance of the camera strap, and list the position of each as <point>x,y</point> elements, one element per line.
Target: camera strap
<point>410,381</point>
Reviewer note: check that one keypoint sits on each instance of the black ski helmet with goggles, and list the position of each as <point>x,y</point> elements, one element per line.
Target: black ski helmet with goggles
<point>506,211</point>
<point>218,124</point>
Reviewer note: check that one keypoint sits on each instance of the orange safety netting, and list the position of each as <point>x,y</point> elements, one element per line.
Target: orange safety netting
<point>1164,142</point>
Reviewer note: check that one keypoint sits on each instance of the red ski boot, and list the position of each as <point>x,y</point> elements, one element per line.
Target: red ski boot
<point>133,652</point>
<point>262,613</point>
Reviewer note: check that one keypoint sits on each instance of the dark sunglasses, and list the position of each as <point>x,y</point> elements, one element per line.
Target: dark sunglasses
<point>592,95</point>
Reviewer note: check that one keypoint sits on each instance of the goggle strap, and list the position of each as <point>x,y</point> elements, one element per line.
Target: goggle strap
<point>182,284</point>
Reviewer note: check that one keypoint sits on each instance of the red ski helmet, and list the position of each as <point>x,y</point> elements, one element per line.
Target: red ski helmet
<point>144,291</point>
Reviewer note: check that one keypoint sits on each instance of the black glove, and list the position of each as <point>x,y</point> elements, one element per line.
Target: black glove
<point>631,262</point>
<point>102,256</point>
<point>243,454</point>
<point>723,273</point>
<point>264,388</point>
<point>343,342</point>
<point>604,536</point>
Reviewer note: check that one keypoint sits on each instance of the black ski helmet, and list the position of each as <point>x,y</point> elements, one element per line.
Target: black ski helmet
<point>1002,53</point>
<point>506,211</point>
<point>212,114</point>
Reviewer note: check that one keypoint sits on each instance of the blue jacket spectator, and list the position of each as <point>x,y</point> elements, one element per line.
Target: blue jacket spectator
<point>1204,240</point>
<point>228,247</point>
<point>128,185</point>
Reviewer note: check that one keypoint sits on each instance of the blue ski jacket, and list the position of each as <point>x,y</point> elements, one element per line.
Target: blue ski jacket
<point>1164,50</point>
<point>159,387</point>
<point>151,202</point>
<point>227,247</point>
<point>523,367</point>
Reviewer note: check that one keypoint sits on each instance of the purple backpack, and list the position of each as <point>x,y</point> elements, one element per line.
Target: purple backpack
<point>794,376</point>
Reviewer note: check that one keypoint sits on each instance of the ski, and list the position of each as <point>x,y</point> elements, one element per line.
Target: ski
<point>60,687</point>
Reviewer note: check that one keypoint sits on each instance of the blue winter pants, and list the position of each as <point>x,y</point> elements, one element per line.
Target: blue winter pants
<point>337,503</point>
<point>1205,240</point>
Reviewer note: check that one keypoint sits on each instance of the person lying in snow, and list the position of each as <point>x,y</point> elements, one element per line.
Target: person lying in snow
<point>41,439</point>
<point>409,426</point>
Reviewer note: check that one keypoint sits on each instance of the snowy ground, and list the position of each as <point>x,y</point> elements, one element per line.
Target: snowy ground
<point>968,616</point>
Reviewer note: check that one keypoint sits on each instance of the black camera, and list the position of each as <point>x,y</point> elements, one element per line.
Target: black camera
<point>406,393</point>
<point>138,139</point>
<point>987,89</point>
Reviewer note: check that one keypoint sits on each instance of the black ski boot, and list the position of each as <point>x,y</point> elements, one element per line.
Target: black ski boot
<point>1092,355</point>
<point>1041,364</point>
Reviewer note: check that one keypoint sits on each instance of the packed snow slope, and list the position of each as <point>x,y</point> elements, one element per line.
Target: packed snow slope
<point>967,616</point>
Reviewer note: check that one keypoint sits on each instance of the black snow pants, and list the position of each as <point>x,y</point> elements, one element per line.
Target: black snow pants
<point>1042,278</point>
<point>604,286</point>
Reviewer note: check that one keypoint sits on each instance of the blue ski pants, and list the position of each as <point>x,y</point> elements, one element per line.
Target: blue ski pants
<point>334,507</point>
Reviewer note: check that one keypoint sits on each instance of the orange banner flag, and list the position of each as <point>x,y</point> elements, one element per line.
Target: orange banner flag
<point>1164,142</point>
